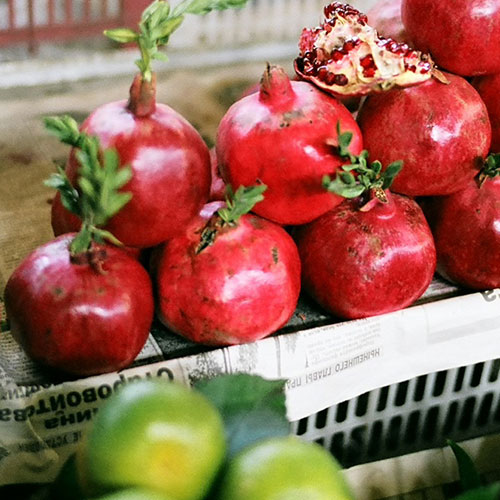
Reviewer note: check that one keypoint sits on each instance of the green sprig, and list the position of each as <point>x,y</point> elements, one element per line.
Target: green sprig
<point>369,175</point>
<point>491,166</point>
<point>158,22</point>
<point>240,202</point>
<point>237,204</point>
<point>100,178</point>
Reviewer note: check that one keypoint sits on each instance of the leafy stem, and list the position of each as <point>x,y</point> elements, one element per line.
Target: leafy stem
<point>237,204</point>
<point>369,176</point>
<point>100,177</point>
<point>240,202</point>
<point>491,168</point>
<point>158,22</point>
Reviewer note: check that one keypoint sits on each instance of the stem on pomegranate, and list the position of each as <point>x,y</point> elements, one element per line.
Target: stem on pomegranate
<point>275,86</point>
<point>370,181</point>
<point>157,23</point>
<point>490,169</point>
<point>100,178</point>
<point>237,204</point>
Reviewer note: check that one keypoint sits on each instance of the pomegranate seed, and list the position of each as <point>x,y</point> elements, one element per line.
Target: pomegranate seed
<point>369,72</point>
<point>367,62</point>
<point>341,80</point>
<point>323,73</point>
<point>337,55</point>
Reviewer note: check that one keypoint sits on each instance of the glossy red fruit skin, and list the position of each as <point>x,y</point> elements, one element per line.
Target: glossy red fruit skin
<point>240,289</point>
<point>385,17</point>
<point>466,228</point>
<point>441,132</point>
<point>218,186</point>
<point>462,36</point>
<point>489,90</point>
<point>357,264</point>
<point>70,317</point>
<point>171,170</point>
<point>285,139</point>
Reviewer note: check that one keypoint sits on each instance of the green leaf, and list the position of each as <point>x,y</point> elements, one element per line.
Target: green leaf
<point>64,128</point>
<point>240,202</point>
<point>122,35</point>
<point>100,177</point>
<point>70,197</point>
<point>201,7</point>
<point>491,492</point>
<point>469,477</point>
<point>160,56</point>
<point>491,166</point>
<point>390,173</point>
<point>167,28</point>
<point>252,408</point>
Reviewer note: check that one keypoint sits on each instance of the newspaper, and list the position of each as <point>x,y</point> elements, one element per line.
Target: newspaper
<point>43,420</point>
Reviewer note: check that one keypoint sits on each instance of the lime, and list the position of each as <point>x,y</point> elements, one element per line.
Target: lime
<point>153,434</point>
<point>283,469</point>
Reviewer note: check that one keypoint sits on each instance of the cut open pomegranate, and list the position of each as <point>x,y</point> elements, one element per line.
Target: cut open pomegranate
<point>346,57</point>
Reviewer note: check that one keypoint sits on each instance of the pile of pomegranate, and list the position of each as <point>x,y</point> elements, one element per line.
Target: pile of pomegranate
<point>357,208</point>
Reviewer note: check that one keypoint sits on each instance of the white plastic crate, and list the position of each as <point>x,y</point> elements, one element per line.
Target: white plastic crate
<point>410,416</point>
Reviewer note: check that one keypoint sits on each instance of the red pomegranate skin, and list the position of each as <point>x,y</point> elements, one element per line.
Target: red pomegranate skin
<point>284,136</point>
<point>218,186</point>
<point>440,131</point>
<point>385,17</point>
<point>466,228</point>
<point>462,36</point>
<point>75,319</point>
<point>170,165</point>
<point>489,90</point>
<point>357,264</point>
<point>242,288</point>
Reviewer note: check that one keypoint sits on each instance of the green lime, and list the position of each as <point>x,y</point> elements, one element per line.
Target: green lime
<point>283,469</point>
<point>157,435</point>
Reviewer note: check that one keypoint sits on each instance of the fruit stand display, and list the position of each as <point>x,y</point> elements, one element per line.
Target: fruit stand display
<point>327,241</point>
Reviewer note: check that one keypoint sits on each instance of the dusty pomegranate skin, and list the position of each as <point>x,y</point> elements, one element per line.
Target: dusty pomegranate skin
<point>489,90</point>
<point>463,36</point>
<point>285,136</point>
<point>440,131</point>
<point>73,317</point>
<point>466,228</point>
<point>357,264</point>
<point>240,289</point>
<point>385,17</point>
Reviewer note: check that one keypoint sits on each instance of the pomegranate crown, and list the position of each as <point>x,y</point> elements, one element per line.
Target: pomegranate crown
<point>345,56</point>
<point>370,178</point>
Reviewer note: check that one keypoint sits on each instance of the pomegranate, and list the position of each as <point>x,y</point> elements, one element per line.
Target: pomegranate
<point>218,186</point>
<point>371,254</point>
<point>466,228</point>
<point>230,278</point>
<point>489,90</point>
<point>84,314</point>
<point>463,36</point>
<point>345,56</point>
<point>284,136</point>
<point>170,161</point>
<point>441,132</point>
<point>78,304</point>
<point>385,17</point>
